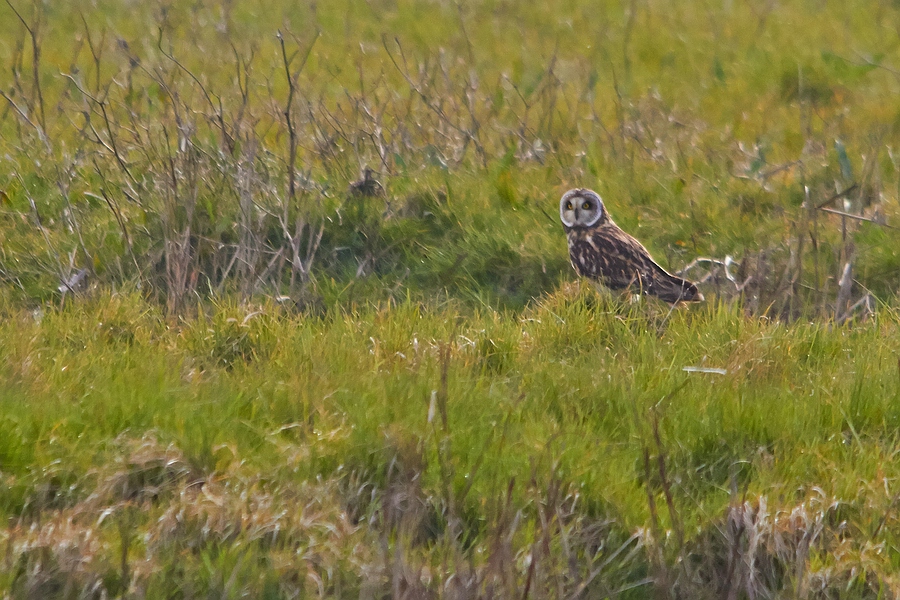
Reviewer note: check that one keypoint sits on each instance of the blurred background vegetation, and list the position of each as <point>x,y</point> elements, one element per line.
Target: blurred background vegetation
<point>200,149</point>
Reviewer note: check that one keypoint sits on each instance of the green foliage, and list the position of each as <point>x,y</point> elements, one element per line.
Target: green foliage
<point>279,379</point>
<point>580,390</point>
<point>175,178</point>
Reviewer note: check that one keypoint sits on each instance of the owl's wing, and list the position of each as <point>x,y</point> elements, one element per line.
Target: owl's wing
<point>619,261</point>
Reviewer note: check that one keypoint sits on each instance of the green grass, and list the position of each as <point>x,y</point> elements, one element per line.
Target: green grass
<point>700,127</point>
<point>110,406</point>
<point>266,393</point>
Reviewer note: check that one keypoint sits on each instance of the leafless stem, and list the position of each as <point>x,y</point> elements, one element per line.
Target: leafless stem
<point>214,103</point>
<point>35,62</point>
<point>288,107</point>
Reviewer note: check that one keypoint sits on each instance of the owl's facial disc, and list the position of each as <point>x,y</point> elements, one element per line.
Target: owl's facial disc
<point>580,208</point>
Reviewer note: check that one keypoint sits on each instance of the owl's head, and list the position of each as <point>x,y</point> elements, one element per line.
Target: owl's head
<point>582,207</point>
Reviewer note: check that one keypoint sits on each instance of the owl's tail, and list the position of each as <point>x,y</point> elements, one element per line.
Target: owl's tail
<point>673,289</point>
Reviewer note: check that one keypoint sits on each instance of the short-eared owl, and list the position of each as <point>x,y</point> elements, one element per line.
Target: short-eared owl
<point>599,250</point>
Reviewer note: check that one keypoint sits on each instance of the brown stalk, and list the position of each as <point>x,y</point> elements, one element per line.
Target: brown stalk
<point>35,63</point>
<point>664,479</point>
<point>288,107</point>
<point>216,105</point>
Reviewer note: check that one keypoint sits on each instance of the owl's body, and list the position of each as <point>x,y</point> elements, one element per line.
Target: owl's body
<point>601,251</point>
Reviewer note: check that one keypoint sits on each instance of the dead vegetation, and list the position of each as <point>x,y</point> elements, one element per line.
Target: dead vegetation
<point>151,522</point>
<point>189,181</point>
<point>201,173</point>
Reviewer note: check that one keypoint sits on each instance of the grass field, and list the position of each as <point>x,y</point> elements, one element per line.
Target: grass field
<point>232,366</point>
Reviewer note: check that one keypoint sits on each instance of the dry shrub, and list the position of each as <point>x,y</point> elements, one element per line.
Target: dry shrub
<point>151,515</point>
<point>144,471</point>
<point>805,551</point>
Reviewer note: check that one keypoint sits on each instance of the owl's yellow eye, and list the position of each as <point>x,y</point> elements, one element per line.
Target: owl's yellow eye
<point>586,205</point>
<point>568,206</point>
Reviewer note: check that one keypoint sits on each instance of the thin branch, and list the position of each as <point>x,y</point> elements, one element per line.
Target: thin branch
<point>25,118</point>
<point>35,64</point>
<point>292,90</point>
<point>217,110</point>
<point>837,196</point>
<point>856,217</point>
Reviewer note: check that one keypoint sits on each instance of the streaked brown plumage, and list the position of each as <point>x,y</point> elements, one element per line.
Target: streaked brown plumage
<point>601,251</point>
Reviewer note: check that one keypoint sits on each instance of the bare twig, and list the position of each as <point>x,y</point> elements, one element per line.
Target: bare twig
<point>24,116</point>
<point>843,297</point>
<point>837,196</point>
<point>856,217</point>
<point>216,106</point>
<point>288,115</point>
<point>35,62</point>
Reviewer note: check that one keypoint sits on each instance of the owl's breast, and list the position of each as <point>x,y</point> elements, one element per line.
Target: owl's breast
<point>586,256</point>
